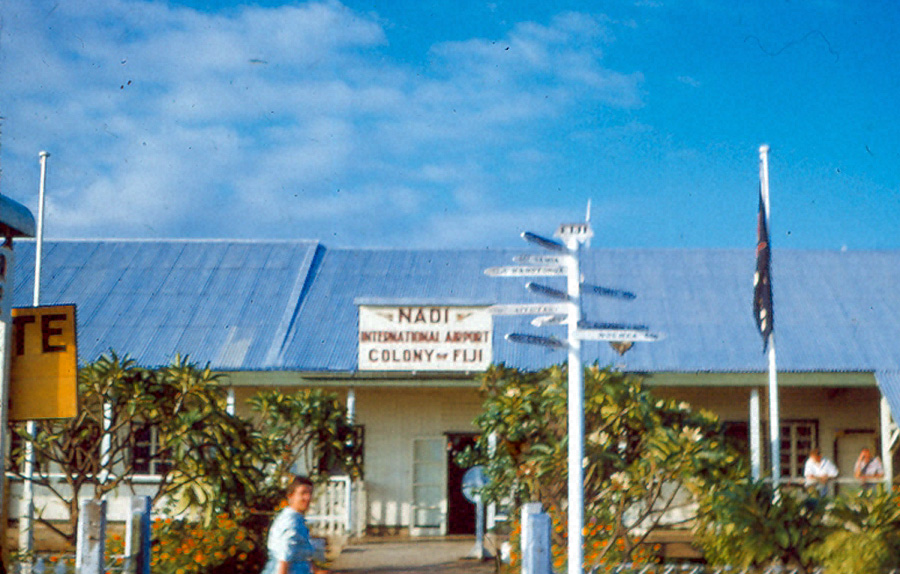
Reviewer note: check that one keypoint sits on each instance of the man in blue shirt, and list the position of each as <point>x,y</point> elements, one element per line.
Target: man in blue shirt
<point>288,543</point>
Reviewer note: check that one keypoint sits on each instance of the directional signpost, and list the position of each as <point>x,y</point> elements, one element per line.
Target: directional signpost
<point>525,271</point>
<point>573,238</point>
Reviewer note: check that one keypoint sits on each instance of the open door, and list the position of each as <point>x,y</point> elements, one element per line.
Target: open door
<point>460,512</point>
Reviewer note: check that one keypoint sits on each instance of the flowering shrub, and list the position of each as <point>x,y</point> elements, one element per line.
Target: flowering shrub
<point>183,547</point>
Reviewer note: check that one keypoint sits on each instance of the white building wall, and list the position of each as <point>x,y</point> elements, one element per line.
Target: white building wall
<point>393,417</point>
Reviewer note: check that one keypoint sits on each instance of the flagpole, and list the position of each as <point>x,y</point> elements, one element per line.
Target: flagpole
<point>774,420</point>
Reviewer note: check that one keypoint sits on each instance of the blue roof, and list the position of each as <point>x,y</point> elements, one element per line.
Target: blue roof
<point>292,305</point>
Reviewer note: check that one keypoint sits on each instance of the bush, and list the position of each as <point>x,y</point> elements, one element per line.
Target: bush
<point>183,547</point>
<point>847,552</point>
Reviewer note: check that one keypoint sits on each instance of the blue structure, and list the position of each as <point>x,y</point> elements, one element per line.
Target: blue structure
<point>292,305</point>
<point>286,313</point>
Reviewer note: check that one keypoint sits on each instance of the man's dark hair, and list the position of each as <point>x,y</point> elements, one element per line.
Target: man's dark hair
<point>297,482</point>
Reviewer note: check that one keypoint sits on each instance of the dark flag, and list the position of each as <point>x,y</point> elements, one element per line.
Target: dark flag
<point>762,282</point>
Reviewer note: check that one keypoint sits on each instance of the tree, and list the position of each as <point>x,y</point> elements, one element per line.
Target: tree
<point>212,462</point>
<point>117,400</point>
<point>644,457</point>
<point>309,426</point>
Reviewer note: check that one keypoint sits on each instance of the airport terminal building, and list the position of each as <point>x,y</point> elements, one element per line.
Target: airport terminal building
<point>401,335</point>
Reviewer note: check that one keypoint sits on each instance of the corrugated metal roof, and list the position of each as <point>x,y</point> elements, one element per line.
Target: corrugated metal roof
<point>292,305</point>
<point>222,302</point>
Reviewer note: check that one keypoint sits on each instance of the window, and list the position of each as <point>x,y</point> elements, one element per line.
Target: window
<point>798,437</point>
<point>145,455</point>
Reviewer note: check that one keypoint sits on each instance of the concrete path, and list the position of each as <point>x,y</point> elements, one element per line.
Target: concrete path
<point>411,557</point>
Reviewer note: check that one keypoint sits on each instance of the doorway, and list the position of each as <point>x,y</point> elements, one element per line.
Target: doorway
<point>460,512</point>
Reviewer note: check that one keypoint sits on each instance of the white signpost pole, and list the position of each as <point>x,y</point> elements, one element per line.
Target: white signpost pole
<point>576,414</point>
<point>574,237</point>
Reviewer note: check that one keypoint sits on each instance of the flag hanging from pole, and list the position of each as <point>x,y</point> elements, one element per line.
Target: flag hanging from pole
<point>762,285</point>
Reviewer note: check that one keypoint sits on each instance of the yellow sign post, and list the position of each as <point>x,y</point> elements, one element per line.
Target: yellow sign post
<point>44,366</point>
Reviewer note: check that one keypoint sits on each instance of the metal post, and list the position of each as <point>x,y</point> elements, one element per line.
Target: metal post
<point>774,421</point>
<point>91,537</point>
<point>6,283</point>
<point>26,518</point>
<point>536,555</point>
<point>888,438</point>
<point>755,439</point>
<point>576,416</point>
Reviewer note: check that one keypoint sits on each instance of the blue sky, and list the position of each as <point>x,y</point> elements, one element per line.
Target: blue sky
<point>455,124</point>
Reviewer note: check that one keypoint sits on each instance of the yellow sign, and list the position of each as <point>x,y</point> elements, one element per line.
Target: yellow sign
<point>44,367</point>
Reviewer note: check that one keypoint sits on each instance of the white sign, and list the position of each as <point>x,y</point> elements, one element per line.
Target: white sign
<point>424,338</point>
<point>525,271</point>
<point>578,231</point>
<point>615,335</point>
<point>541,259</point>
<point>529,309</point>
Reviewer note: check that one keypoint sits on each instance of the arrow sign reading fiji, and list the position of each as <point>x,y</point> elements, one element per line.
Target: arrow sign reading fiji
<point>525,271</point>
<point>630,335</point>
<point>551,342</point>
<point>528,309</point>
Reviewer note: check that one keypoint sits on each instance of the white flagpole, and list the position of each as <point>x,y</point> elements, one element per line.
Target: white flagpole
<point>774,421</point>
<point>26,519</point>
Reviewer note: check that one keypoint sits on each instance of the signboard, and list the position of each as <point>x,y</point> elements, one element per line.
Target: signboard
<point>615,335</point>
<point>529,309</point>
<point>525,271</point>
<point>581,232</point>
<point>541,259</point>
<point>473,481</point>
<point>44,367</point>
<point>425,338</point>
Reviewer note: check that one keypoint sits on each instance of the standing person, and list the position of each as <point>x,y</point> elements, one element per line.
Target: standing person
<point>818,471</point>
<point>290,549</point>
<point>868,469</point>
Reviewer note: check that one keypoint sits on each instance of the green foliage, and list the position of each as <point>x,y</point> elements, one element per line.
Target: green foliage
<point>745,525</point>
<point>863,533</point>
<point>643,455</point>
<point>310,425</point>
<point>216,463</point>
<point>847,552</point>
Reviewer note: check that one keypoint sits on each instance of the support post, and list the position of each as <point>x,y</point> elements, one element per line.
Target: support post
<point>536,555</point>
<point>137,536</point>
<point>575,551</point>
<point>888,439</point>
<point>91,541</point>
<point>755,439</point>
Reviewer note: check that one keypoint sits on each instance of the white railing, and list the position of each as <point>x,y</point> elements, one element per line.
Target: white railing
<point>338,508</point>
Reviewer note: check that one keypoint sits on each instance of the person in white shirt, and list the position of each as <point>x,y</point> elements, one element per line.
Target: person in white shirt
<point>868,469</point>
<point>818,472</point>
<point>289,545</point>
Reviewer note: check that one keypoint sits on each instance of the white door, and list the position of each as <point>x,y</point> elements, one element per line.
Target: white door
<point>429,507</point>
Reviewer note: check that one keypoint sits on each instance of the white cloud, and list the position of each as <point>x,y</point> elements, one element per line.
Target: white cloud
<point>170,122</point>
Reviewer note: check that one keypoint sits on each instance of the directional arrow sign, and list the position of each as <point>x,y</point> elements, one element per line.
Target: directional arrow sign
<point>528,309</point>
<point>541,259</point>
<point>615,335</point>
<point>525,271</point>
<point>544,242</point>
<point>601,326</point>
<point>607,292</point>
<point>550,320</point>
<point>552,342</point>
<point>548,291</point>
